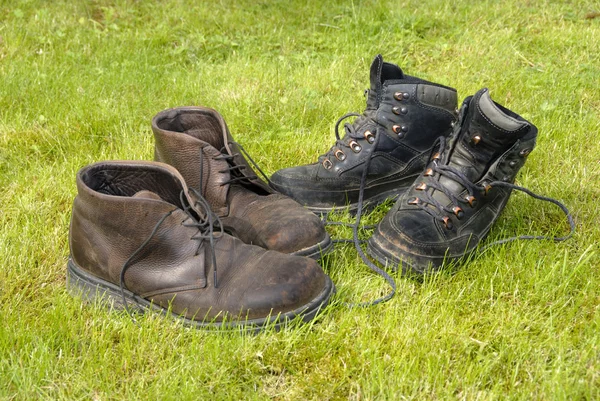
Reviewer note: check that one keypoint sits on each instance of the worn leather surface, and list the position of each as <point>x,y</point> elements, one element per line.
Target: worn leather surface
<point>412,235</point>
<point>119,205</point>
<point>425,111</point>
<point>194,139</point>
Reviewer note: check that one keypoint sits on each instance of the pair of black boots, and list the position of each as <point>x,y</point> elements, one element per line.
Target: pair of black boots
<point>452,170</point>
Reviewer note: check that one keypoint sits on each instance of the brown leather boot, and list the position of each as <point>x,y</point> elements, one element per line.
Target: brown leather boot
<point>139,240</point>
<point>196,141</point>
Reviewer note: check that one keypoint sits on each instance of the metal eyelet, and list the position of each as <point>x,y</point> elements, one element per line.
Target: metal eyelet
<point>428,172</point>
<point>327,164</point>
<point>400,130</point>
<point>369,136</point>
<point>486,188</point>
<point>414,201</point>
<point>476,139</point>
<point>399,110</point>
<point>340,155</point>
<point>436,156</point>
<point>458,212</point>
<point>399,96</point>
<point>355,146</point>
<point>524,152</point>
<point>447,222</point>
<point>472,201</point>
<point>512,163</point>
<point>421,187</point>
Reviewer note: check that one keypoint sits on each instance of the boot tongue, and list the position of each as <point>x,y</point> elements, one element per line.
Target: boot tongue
<point>145,194</point>
<point>487,131</point>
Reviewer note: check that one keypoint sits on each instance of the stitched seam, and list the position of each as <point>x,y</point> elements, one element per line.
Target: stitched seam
<point>428,107</point>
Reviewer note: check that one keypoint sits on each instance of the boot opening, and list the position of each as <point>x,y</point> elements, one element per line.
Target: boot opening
<point>128,179</point>
<point>200,124</point>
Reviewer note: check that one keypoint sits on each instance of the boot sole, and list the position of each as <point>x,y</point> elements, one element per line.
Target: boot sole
<point>317,251</point>
<point>410,264</point>
<point>94,289</point>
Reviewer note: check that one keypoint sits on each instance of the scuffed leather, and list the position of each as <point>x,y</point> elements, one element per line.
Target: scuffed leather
<point>411,236</point>
<point>109,223</point>
<point>396,160</point>
<point>251,210</point>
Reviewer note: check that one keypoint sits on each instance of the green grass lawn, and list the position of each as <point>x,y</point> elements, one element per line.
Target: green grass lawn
<point>80,81</point>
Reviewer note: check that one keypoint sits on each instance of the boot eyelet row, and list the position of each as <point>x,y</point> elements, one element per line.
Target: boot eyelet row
<point>327,164</point>
<point>355,146</point>
<point>369,136</point>
<point>340,155</point>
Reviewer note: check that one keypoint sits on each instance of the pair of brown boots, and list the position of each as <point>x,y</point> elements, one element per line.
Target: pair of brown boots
<point>156,235</point>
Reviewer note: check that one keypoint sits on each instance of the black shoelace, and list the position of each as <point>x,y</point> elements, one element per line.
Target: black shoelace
<point>438,211</point>
<point>206,231</point>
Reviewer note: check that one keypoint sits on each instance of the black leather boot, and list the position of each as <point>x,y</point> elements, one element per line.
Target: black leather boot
<point>403,118</point>
<point>454,202</point>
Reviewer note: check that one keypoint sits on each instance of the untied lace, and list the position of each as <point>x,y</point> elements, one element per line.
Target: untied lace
<point>205,231</point>
<point>352,133</point>
<point>454,174</point>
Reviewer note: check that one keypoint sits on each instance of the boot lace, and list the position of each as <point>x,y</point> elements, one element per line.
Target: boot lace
<point>351,132</point>
<point>205,224</point>
<point>235,170</point>
<point>440,212</point>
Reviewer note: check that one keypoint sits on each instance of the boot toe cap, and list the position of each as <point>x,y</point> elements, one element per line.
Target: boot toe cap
<point>289,227</point>
<point>413,240</point>
<point>289,284</point>
<point>295,181</point>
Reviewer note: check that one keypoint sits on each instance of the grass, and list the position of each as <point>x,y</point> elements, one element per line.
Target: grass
<point>80,82</point>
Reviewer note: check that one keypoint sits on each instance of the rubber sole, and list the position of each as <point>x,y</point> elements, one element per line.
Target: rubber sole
<point>317,251</point>
<point>411,264</point>
<point>94,289</point>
